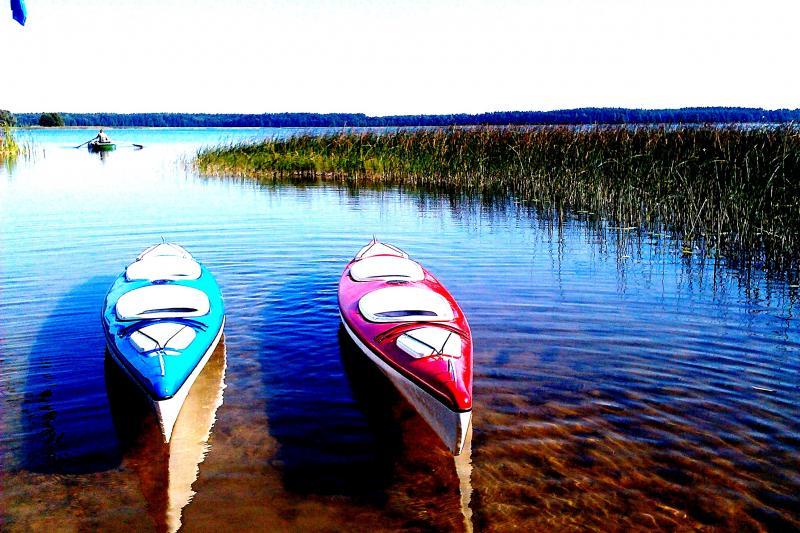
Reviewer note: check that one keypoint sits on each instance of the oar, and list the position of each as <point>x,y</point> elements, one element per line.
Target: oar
<point>87,142</point>
<point>123,144</point>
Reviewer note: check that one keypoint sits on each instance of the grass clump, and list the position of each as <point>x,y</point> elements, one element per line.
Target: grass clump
<point>733,189</point>
<point>9,147</point>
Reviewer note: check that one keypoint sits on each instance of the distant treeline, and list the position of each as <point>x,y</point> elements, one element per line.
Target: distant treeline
<point>589,115</point>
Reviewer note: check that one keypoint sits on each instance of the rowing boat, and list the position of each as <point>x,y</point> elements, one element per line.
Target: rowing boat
<point>96,146</point>
<point>410,326</point>
<point>162,318</point>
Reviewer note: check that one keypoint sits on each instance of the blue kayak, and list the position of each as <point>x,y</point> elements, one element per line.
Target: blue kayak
<point>162,318</point>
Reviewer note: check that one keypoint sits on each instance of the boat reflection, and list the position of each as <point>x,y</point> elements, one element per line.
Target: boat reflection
<point>103,155</point>
<point>166,472</point>
<point>432,487</point>
<point>464,472</point>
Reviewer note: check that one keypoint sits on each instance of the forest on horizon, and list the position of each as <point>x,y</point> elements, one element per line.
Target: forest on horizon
<point>599,115</point>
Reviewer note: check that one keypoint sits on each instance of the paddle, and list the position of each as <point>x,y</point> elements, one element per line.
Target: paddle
<point>87,142</point>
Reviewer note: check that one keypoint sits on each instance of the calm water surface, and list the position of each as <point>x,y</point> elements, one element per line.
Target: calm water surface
<point>619,385</point>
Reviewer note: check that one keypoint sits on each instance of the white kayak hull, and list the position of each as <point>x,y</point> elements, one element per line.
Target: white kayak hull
<point>450,426</point>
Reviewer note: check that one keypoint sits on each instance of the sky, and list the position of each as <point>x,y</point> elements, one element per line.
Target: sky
<point>397,57</point>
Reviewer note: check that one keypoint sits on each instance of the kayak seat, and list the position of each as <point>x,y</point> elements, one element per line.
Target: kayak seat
<point>427,341</point>
<point>167,335</point>
<point>386,268</point>
<point>405,304</point>
<point>162,301</point>
<point>162,267</point>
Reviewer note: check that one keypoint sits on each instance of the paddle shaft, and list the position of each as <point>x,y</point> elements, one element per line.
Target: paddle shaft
<point>137,146</point>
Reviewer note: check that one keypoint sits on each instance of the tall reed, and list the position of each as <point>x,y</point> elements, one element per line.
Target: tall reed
<point>730,189</point>
<point>8,144</point>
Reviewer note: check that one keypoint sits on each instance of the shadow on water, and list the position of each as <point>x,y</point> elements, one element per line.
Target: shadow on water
<point>375,396</point>
<point>325,444</point>
<point>65,413</point>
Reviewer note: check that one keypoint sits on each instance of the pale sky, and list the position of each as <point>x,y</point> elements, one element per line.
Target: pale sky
<point>398,57</point>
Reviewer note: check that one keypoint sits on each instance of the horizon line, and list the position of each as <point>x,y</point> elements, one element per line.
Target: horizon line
<point>685,108</point>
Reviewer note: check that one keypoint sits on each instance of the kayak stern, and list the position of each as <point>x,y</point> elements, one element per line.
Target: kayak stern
<point>449,425</point>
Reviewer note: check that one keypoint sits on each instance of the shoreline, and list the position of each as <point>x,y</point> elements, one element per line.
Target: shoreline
<point>632,125</point>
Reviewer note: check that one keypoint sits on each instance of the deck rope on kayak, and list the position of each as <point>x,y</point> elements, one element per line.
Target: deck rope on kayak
<point>399,329</point>
<point>161,350</point>
<point>136,326</point>
<point>436,351</point>
<point>441,350</point>
<point>159,346</point>
<point>373,243</point>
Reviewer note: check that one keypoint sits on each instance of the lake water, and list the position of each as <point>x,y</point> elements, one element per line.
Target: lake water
<point>618,383</point>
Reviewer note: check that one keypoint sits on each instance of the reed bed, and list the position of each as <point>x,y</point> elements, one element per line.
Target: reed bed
<point>727,190</point>
<point>9,147</point>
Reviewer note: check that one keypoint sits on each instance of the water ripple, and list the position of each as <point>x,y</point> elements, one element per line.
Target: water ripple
<point>618,385</point>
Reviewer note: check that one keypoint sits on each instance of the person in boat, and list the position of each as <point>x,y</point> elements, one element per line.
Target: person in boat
<point>102,137</point>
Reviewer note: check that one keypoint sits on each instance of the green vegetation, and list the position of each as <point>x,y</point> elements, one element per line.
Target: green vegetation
<point>9,147</point>
<point>728,190</point>
<point>7,118</point>
<point>51,120</point>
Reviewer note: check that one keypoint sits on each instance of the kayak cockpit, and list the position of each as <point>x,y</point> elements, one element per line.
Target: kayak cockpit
<point>405,304</point>
<point>162,301</point>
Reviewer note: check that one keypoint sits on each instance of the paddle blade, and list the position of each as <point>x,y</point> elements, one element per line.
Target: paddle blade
<point>18,11</point>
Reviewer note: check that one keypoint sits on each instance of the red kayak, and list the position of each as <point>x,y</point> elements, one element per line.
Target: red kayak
<point>403,319</point>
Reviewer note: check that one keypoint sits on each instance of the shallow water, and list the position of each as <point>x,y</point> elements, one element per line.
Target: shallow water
<point>619,384</point>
